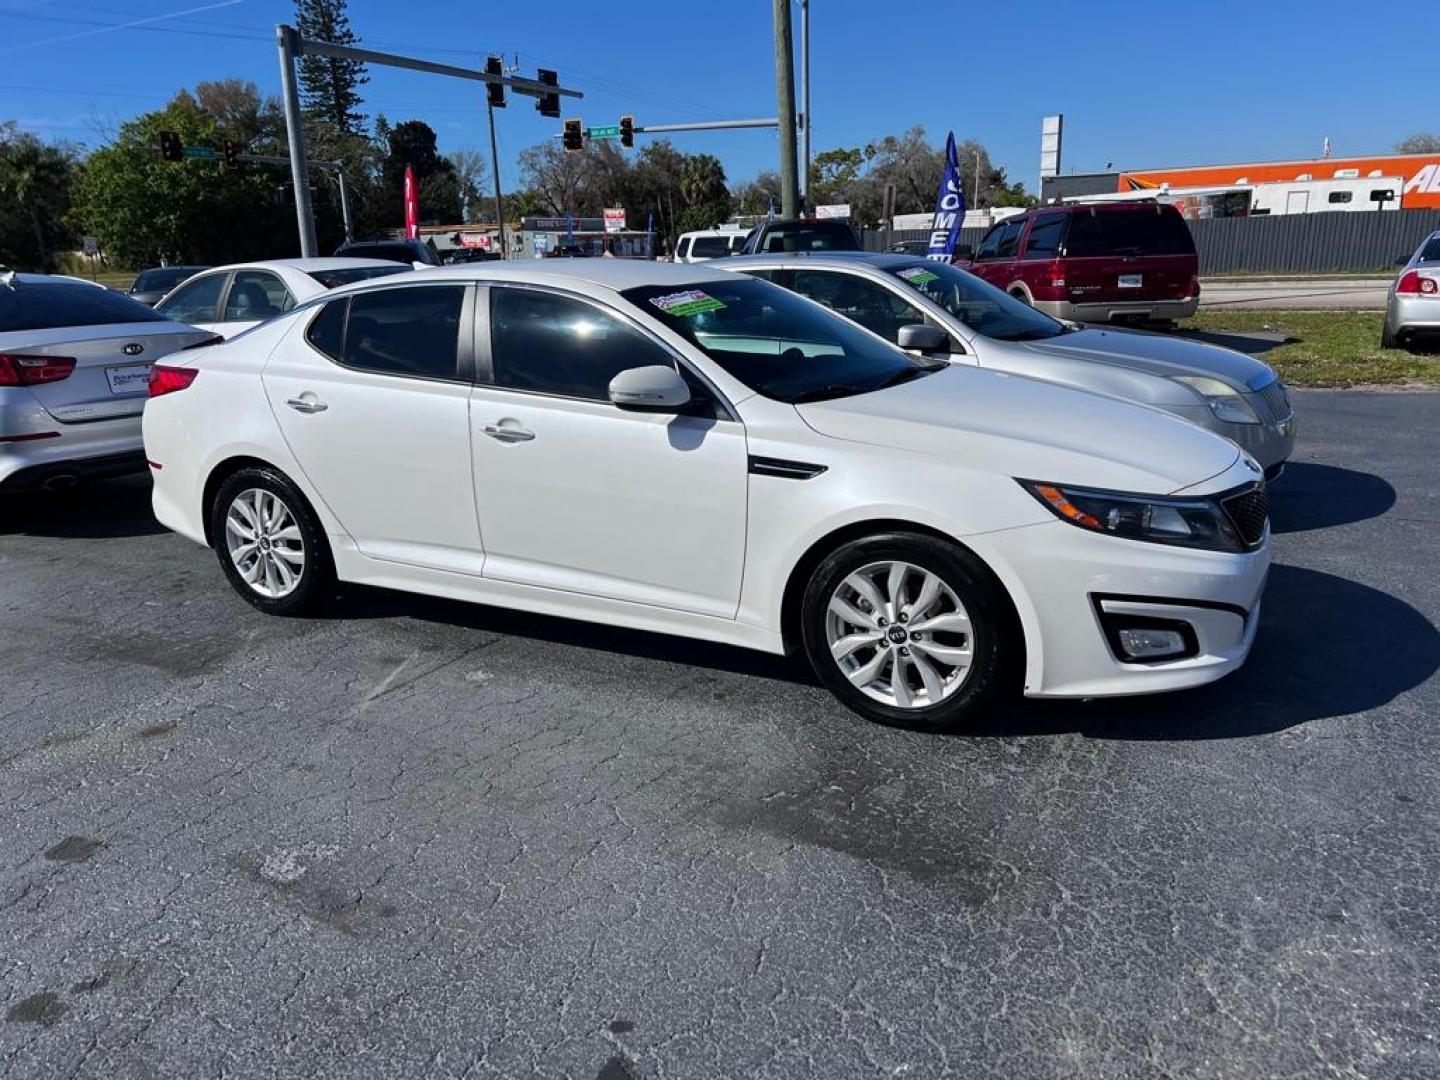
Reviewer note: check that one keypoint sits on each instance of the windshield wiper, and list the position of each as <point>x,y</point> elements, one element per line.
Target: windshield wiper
<point>824,393</point>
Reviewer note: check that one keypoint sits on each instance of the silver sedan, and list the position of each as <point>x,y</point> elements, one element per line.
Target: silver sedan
<point>1413,307</point>
<point>941,310</point>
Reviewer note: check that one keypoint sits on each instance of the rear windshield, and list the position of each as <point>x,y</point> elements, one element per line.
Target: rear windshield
<point>1431,251</point>
<point>333,279</point>
<point>810,236</point>
<point>710,247</point>
<point>164,278</point>
<point>37,305</point>
<point>393,252</point>
<point>1152,231</point>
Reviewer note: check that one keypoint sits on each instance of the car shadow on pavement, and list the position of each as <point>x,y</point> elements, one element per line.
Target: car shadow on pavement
<point>1254,343</point>
<point>97,510</point>
<point>364,602</point>
<point>1310,496</point>
<point>1326,647</point>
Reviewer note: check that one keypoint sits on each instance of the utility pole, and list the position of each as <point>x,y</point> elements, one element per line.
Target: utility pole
<point>785,108</point>
<point>805,124</point>
<point>286,40</point>
<point>495,165</point>
<point>976,204</point>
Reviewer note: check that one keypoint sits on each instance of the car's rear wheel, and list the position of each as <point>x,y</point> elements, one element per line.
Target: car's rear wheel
<point>909,630</point>
<point>1388,340</point>
<point>270,544</point>
<point>1021,295</point>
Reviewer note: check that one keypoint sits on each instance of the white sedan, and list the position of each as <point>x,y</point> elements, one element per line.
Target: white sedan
<point>685,450</point>
<point>229,299</point>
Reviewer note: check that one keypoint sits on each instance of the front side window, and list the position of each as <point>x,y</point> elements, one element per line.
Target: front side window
<point>196,301</point>
<point>990,244</point>
<point>1045,234</point>
<point>552,344</point>
<point>775,342</point>
<point>1009,239</point>
<point>412,331</point>
<point>255,296</point>
<point>866,302</point>
<point>978,304</point>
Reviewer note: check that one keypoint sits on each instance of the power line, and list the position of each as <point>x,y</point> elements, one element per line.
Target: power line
<point>135,24</point>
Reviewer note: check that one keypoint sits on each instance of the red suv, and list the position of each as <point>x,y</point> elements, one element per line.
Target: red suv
<point>1096,262</point>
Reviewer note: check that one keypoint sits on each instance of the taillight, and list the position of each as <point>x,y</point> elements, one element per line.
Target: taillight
<point>17,370</point>
<point>1055,276</point>
<point>166,380</point>
<point>1412,283</point>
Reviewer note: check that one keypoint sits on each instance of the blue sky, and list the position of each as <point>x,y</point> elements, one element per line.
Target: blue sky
<point>1139,84</point>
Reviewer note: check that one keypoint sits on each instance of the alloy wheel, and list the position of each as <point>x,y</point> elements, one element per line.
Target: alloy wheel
<point>900,634</point>
<point>263,538</point>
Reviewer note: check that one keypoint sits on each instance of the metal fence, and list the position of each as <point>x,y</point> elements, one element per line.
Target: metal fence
<point>1287,244</point>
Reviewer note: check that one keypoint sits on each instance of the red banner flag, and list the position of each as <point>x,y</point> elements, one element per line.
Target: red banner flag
<point>412,206</point>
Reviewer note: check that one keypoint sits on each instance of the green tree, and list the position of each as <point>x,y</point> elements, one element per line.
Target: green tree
<point>413,143</point>
<point>1422,143</point>
<point>833,174</point>
<point>35,191</point>
<point>143,209</point>
<point>757,196</point>
<point>330,87</point>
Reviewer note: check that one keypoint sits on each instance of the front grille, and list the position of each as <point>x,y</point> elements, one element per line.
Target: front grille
<point>1276,400</point>
<point>1250,511</point>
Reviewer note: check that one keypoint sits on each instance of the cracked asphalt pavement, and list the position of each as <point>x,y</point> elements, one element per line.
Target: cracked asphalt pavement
<point>429,839</point>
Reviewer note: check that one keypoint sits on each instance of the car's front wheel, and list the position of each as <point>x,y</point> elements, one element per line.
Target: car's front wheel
<point>270,544</point>
<point>910,630</point>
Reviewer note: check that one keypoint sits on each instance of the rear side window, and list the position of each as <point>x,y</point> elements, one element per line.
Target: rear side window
<point>195,301</point>
<point>413,332</point>
<point>860,300</point>
<point>256,295</point>
<point>1045,235</point>
<point>1148,231</point>
<point>1009,239</point>
<point>1431,251</point>
<point>554,345</point>
<point>41,305</point>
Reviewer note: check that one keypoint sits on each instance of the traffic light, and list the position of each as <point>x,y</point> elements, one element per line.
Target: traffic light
<point>170,147</point>
<point>547,104</point>
<point>228,151</point>
<point>627,131</point>
<point>495,92</point>
<point>574,135</point>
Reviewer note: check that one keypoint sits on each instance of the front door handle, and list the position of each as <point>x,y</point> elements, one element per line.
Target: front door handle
<point>509,434</point>
<point>307,403</point>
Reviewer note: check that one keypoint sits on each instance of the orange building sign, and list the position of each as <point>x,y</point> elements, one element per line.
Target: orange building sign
<point>1421,173</point>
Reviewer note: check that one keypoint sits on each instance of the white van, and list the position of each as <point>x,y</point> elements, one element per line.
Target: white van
<point>706,244</point>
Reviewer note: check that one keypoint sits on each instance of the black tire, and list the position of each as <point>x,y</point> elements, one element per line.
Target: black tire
<point>1388,340</point>
<point>316,585</point>
<point>996,638</point>
<point>1022,296</point>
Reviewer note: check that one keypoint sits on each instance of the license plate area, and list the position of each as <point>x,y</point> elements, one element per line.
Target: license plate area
<point>128,378</point>
<point>1131,281</point>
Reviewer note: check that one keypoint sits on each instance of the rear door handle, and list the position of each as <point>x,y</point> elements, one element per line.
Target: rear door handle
<point>307,403</point>
<point>509,434</point>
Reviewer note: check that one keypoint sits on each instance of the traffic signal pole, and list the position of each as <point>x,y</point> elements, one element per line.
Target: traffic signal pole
<point>287,40</point>
<point>291,45</point>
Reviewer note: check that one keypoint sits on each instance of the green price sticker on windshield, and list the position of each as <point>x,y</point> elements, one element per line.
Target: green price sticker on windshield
<point>918,275</point>
<point>689,302</point>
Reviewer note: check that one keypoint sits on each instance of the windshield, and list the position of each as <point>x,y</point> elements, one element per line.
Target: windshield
<point>777,343</point>
<point>333,279</point>
<point>1156,230</point>
<point>164,278</point>
<point>809,236</point>
<point>978,304</point>
<point>36,305</point>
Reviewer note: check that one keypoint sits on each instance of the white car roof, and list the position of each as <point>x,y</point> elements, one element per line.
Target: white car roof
<point>616,274</point>
<point>306,265</point>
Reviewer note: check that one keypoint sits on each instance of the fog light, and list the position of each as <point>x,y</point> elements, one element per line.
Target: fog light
<point>1151,644</point>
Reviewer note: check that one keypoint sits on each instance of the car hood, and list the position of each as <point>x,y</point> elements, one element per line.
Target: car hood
<point>1158,354</point>
<point>1021,427</point>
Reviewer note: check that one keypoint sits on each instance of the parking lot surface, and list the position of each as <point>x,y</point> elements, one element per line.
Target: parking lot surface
<point>429,839</point>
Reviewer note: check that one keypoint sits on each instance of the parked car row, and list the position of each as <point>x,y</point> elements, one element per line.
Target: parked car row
<point>936,492</point>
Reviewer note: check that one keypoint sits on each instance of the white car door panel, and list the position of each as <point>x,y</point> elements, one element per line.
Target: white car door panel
<point>577,494</point>
<point>387,448</point>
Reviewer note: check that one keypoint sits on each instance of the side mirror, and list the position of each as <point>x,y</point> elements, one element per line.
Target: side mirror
<point>917,337</point>
<point>650,389</point>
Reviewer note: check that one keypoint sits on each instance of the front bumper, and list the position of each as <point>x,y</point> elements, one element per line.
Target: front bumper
<point>1110,310</point>
<point>1270,443</point>
<point>1063,579</point>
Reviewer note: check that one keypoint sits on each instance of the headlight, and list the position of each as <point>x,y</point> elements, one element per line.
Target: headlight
<point>1224,401</point>
<point>1159,519</point>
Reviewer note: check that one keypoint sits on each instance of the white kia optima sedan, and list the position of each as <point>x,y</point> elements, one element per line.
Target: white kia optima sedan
<point>685,450</point>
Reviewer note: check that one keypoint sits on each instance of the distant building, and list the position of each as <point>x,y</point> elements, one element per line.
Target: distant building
<point>1069,185</point>
<point>1420,172</point>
